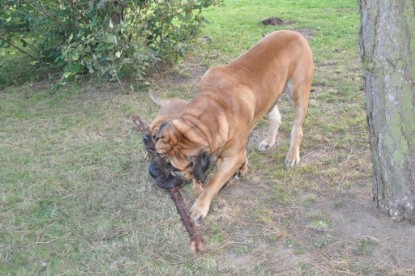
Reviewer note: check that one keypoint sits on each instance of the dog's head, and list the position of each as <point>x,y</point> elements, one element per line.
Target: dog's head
<point>182,148</point>
<point>159,169</point>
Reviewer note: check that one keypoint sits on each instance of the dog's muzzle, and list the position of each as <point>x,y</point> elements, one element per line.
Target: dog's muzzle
<point>163,174</point>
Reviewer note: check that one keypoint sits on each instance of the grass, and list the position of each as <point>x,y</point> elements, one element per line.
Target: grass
<point>75,197</point>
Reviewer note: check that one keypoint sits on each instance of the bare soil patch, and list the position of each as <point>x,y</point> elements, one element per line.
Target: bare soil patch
<point>276,21</point>
<point>323,230</point>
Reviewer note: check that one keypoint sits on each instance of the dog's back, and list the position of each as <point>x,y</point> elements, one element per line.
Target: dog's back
<point>168,107</point>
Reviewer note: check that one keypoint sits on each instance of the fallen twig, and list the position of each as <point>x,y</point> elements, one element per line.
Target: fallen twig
<point>197,242</point>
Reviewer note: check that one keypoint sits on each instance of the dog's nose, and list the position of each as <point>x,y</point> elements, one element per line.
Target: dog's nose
<point>154,171</point>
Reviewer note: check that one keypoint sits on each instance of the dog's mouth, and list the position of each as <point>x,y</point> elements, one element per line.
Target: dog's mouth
<point>164,175</point>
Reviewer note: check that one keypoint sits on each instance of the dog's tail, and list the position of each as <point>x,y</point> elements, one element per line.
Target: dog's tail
<point>154,98</point>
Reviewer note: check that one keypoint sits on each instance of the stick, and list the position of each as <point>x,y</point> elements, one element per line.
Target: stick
<point>148,140</point>
<point>197,242</point>
<point>142,127</point>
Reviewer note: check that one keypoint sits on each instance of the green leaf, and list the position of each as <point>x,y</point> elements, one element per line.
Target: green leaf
<point>110,38</point>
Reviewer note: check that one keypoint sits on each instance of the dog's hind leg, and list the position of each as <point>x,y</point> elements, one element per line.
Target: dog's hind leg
<point>274,120</point>
<point>299,97</point>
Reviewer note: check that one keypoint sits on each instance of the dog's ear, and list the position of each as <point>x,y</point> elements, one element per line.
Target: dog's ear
<point>160,131</point>
<point>201,165</point>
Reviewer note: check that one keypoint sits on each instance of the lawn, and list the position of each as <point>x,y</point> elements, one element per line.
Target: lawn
<point>76,197</point>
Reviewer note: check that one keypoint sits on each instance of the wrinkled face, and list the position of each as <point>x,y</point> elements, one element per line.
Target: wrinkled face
<point>171,146</point>
<point>180,167</point>
<point>177,148</point>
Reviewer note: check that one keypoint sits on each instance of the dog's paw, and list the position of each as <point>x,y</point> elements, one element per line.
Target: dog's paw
<point>292,162</point>
<point>199,211</point>
<point>197,186</point>
<point>242,171</point>
<point>237,176</point>
<point>265,146</point>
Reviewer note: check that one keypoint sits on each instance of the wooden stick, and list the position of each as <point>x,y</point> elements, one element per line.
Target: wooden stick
<point>142,127</point>
<point>197,242</point>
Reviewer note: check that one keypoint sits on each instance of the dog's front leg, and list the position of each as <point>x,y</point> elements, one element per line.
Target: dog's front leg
<point>227,168</point>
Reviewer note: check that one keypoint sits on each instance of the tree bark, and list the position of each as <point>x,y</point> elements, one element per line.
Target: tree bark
<point>387,48</point>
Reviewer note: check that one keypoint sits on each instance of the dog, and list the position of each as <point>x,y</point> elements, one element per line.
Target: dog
<point>232,98</point>
<point>170,109</point>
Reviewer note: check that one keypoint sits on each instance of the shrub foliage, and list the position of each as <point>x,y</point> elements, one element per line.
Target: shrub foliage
<point>109,38</point>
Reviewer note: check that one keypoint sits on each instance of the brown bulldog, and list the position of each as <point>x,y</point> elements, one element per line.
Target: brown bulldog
<point>216,124</point>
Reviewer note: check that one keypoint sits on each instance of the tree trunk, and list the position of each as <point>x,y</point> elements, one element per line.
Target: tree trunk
<point>387,48</point>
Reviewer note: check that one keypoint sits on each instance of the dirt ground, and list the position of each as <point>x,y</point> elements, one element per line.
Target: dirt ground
<point>332,232</point>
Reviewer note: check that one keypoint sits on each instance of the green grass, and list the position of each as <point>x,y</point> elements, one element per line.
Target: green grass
<point>75,197</point>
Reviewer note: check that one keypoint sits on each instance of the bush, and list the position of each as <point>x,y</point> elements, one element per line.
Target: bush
<point>109,38</point>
